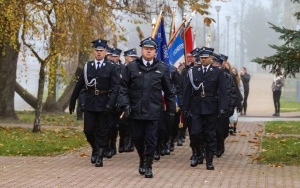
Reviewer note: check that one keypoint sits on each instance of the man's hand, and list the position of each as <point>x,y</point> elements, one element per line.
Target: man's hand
<point>108,110</point>
<point>127,111</point>
<point>71,109</point>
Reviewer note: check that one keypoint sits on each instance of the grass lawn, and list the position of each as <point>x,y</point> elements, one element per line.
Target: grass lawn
<point>66,134</point>
<point>282,150</point>
<point>281,146</point>
<point>49,119</point>
<point>283,127</point>
<point>286,106</point>
<point>23,142</point>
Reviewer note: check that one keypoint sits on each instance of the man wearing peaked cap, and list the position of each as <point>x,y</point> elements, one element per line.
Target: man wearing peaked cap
<point>99,44</point>
<point>223,58</point>
<point>196,54</point>
<point>149,42</point>
<point>130,55</point>
<point>223,123</point>
<point>116,126</point>
<point>116,52</point>
<point>204,100</point>
<point>206,51</point>
<point>100,78</point>
<point>142,84</point>
<point>216,58</point>
<point>109,52</point>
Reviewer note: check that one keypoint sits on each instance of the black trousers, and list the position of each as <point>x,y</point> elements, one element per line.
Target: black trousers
<point>203,131</point>
<point>144,135</point>
<point>96,126</point>
<point>276,99</point>
<point>245,104</point>
<point>187,124</point>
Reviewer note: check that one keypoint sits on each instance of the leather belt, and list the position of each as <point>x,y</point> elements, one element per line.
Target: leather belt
<point>98,92</point>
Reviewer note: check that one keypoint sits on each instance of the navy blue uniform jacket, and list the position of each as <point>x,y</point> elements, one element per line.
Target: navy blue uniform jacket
<point>215,89</point>
<point>141,88</point>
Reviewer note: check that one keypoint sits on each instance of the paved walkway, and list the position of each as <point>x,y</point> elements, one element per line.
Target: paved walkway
<point>236,168</point>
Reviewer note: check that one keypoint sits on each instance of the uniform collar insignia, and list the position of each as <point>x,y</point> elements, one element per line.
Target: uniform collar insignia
<point>92,64</point>
<point>157,71</point>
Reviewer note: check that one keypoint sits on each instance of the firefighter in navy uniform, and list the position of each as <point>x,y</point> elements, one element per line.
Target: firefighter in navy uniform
<point>141,89</point>
<point>101,80</point>
<point>205,98</point>
<point>115,125</point>
<point>187,123</point>
<point>168,131</point>
<point>176,81</point>
<point>109,51</point>
<point>223,123</point>
<point>129,55</point>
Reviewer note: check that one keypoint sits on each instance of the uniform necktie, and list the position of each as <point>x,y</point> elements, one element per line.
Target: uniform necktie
<point>148,64</point>
<point>98,65</point>
<point>204,72</point>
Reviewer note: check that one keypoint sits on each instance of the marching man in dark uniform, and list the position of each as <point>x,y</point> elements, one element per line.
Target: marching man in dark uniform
<point>130,56</point>
<point>115,125</point>
<point>223,123</point>
<point>101,80</point>
<point>143,81</point>
<point>205,96</point>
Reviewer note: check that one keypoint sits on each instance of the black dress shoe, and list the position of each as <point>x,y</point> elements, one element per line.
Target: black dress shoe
<point>156,156</point>
<point>210,166</point>
<point>142,169</point>
<point>194,161</point>
<point>109,154</point>
<point>148,173</point>
<point>167,152</point>
<point>163,152</point>
<point>171,147</point>
<point>179,142</point>
<point>121,149</point>
<point>99,158</point>
<point>93,156</point>
<point>218,154</point>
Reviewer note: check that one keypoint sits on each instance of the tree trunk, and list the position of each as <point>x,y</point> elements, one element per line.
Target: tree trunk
<point>8,67</point>
<point>25,95</point>
<point>38,110</point>
<point>51,105</point>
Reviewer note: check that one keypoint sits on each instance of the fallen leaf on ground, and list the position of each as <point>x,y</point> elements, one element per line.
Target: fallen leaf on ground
<point>258,133</point>
<point>83,155</point>
<point>253,141</point>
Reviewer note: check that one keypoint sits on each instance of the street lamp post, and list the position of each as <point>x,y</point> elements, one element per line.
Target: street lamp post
<point>218,8</point>
<point>228,19</point>
<point>235,56</point>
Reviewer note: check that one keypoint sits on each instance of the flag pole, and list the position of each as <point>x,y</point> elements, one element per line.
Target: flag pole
<point>177,31</point>
<point>156,25</point>
<point>172,29</point>
<point>191,17</point>
<point>185,30</point>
